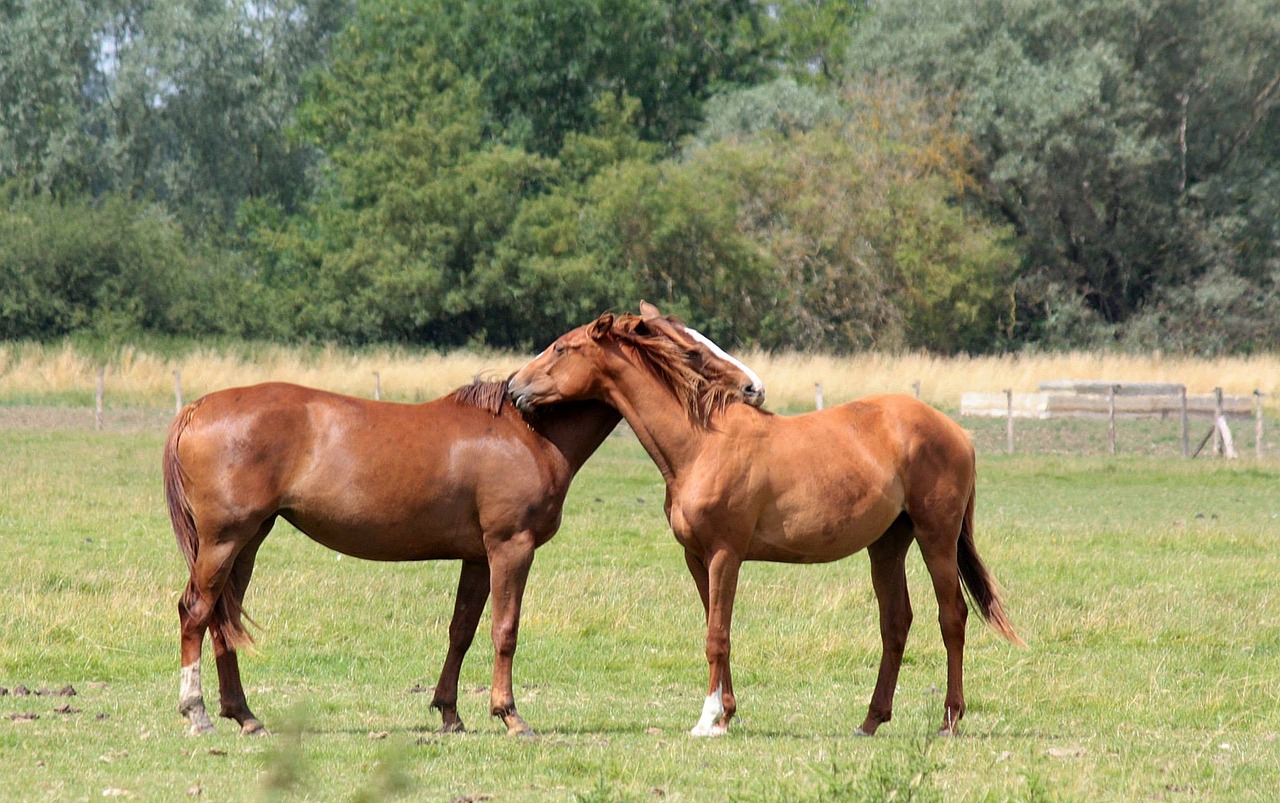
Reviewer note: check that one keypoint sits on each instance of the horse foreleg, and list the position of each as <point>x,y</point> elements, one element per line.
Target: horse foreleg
<point>889,579</point>
<point>509,563</point>
<point>721,704</point>
<point>698,570</point>
<point>473,591</point>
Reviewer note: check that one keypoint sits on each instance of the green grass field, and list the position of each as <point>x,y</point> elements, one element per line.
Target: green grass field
<point>1145,586</point>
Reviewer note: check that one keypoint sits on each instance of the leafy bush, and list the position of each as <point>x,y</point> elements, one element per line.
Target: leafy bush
<point>112,269</point>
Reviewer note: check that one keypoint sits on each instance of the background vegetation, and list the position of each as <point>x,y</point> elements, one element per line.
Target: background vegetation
<point>141,377</point>
<point>803,174</point>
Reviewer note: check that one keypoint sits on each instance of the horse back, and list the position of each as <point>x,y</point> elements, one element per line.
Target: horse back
<point>372,479</point>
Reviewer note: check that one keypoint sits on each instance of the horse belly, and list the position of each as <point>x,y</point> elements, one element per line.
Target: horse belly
<point>434,534</point>
<point>821,527</point>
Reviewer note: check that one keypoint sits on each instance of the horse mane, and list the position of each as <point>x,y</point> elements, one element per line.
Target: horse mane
<point>701,398</point>
<point>487,394</point>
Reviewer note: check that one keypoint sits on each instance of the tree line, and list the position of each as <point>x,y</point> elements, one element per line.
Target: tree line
<point>804,174</point>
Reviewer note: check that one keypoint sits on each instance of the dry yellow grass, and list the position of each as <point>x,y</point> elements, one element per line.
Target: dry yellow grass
<point>137,377</point>
<point>790,378</point>
<point>30,372</point>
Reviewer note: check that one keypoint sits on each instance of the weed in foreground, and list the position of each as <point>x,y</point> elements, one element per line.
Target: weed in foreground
<point>901,775</point>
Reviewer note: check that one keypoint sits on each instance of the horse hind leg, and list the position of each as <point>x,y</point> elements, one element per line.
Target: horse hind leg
<point>940,558</point>
<point>889,579</point>
<point>193,619</point>
<point>228,635</point>
<point>200,609</point>
<point>197,611</point>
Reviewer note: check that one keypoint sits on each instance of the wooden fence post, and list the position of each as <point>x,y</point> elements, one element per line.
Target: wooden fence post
<point>1186,444</point>
<point>177,390</point>
<point>97,415</point>
<point>817,395</point>
<point>1217,416</point>
<point>1111,418</point>
<point>1008,415</point>
<point>1257,423</point>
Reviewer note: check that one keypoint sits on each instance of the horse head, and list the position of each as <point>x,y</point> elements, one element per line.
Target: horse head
<point>693,367</point>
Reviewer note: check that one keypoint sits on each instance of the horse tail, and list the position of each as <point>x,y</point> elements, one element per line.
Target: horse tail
<point>228,614</point>
<point>982,587</point>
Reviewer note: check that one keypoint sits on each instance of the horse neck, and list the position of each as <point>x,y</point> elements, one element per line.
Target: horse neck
<point>577,429</point>
<point>659,420</point>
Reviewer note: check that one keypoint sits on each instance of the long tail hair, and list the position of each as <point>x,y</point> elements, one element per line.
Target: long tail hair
<point>982,588</point>
<point>226,619</point>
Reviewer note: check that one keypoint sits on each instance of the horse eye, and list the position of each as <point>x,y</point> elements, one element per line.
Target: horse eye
<point>559,348</point>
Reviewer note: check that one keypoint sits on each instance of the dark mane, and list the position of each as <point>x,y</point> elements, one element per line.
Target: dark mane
<point>487,394</point>
<point>666,360</point>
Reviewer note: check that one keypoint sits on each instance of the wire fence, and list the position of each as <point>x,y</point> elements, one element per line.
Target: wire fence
<point>1122,423</point>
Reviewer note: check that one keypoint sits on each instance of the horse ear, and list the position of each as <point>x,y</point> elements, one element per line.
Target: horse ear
<point>602,326</point>
<point>664,326</point>
<point>648,311</point>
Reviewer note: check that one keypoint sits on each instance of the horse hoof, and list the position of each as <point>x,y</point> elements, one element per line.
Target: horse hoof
<point>200,723</point>
<point>252,727</point>
<point>453,727</point>
<point>861,732</point>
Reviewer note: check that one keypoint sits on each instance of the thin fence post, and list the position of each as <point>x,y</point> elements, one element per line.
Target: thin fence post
<point>916,387</point>
<point>377,386</point>
<point>1257,423</point>
<point>177,390</point>
<point>102,381</point>
<point>1217,416</point>
<point>1008,415</point>
<point>817,395</point>
<point>1111,418</point>
<point>1186,443</point>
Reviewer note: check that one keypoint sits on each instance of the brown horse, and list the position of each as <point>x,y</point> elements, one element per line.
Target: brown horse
<point>744,484</point>
<point>464,477</point>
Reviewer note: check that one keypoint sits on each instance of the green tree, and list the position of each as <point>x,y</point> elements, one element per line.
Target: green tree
<point>196,99</point>
<point>845,227</point>
<point>814,35</point>
<point>542,66</point>
<point>1132,145</point>
<point>47,60</point>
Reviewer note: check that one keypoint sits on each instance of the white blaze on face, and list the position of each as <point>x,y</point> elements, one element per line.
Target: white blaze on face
<point>712,710</point>
<point>722,354</point>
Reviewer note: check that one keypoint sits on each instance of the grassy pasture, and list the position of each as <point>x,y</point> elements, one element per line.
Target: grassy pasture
<point>1146,588</point>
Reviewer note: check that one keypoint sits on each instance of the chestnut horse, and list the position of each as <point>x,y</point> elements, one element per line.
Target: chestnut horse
<point>465,477</point>
<point>744,484</point>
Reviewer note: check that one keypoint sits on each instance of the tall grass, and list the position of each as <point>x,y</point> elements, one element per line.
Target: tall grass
<point>67,374</point>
